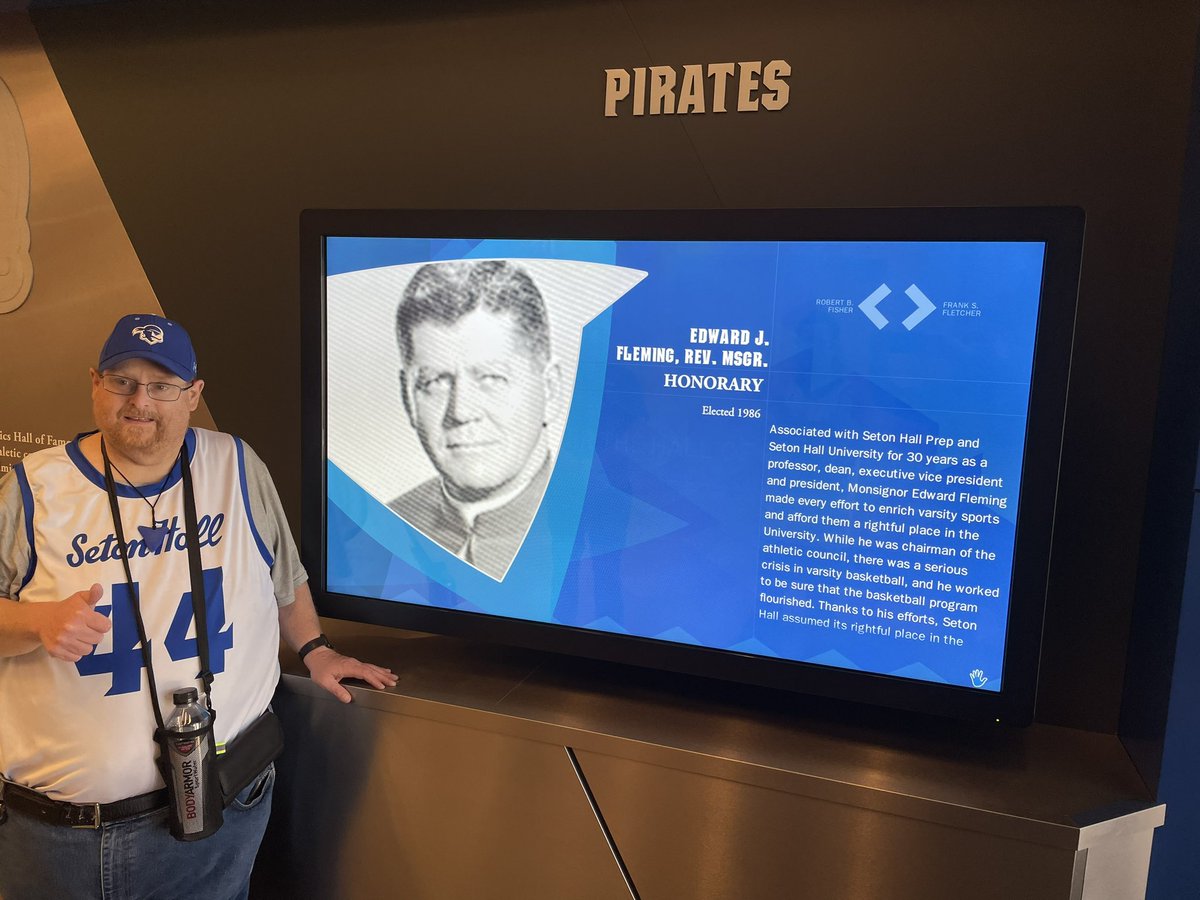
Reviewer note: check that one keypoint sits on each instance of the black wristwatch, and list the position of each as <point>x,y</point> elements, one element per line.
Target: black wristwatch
<point>319,641</point>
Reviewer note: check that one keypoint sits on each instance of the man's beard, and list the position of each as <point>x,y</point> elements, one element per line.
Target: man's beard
<point>133,439</point>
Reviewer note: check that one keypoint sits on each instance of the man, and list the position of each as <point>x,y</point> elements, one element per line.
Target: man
<point>76,725</point>
<point>479,387</point>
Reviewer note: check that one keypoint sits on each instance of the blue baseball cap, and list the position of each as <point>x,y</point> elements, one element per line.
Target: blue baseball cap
<point>147,336</point>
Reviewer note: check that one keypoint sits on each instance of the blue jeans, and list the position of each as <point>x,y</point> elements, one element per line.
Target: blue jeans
<point>135,859</point>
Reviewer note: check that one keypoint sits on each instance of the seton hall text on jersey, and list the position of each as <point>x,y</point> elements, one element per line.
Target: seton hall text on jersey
<point>208,532</point>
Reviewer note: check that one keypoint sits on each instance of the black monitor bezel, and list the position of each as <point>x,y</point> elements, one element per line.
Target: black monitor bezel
<point>1060,228</point>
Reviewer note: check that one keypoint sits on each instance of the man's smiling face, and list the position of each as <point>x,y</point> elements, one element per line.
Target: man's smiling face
<point>135,427</point>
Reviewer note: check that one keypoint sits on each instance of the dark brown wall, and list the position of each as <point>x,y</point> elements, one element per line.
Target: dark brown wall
<point>214,124</point>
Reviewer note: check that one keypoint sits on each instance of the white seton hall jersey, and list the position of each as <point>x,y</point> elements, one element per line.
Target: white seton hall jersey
<point>84,732</point>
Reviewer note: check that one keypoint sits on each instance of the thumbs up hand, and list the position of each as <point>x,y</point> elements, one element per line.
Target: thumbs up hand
<point>70,628</point>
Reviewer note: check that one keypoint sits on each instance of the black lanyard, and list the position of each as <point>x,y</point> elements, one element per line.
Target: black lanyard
<point>199,609</point>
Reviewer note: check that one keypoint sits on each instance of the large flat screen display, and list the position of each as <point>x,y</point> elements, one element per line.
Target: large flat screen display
<point>806,449</point>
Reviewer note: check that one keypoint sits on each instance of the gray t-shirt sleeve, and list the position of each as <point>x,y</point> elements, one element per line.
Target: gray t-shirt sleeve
<point>14,545</point>
<point>287,572</point>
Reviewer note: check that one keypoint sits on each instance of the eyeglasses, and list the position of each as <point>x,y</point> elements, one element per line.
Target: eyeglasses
<point>155,390</point>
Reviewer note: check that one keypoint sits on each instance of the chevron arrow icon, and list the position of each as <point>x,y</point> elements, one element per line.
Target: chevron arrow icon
<point>869,306</point>
<point>924,307</point>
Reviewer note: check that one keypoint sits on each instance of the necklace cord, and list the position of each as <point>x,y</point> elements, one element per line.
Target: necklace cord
<point>157,495</point>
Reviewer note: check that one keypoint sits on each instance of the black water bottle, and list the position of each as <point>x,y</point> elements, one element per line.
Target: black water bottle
<point>193,788</point>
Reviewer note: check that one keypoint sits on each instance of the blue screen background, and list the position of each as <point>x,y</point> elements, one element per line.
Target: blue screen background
<point>653,520</point>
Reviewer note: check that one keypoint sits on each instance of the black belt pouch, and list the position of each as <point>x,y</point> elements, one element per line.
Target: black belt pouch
<point>248,754</point>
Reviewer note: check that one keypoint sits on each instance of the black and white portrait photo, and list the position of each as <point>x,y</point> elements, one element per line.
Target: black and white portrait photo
<point>480,386</point>
<point>456,425</point>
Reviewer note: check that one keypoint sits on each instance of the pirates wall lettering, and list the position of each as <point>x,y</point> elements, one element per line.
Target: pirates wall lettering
<point>718,87</point>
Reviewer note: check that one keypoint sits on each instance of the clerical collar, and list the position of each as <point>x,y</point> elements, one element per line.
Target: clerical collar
<point>470,511</point>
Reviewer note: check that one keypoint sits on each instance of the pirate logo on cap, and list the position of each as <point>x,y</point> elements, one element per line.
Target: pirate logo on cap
<point>151,334</point>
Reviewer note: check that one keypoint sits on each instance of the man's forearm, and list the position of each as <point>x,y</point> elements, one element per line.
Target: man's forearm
<point>18,628</point>
<point>298,622</point>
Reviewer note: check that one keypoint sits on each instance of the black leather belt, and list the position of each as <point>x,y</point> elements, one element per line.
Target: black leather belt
<point>78,815</point>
